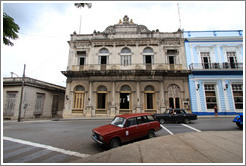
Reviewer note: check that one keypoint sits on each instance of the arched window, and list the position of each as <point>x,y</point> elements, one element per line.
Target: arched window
<point>125,88</point>
<point>79,95</point>
<point>103,51</point>
<point>79,88</point>
<point>125,54</point>
<point>125,51</point>
<point>102,88</point>
<point>148,51</point>
<point>149,88</point>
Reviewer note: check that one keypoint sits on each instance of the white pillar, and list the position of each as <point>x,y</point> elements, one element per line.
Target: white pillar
<point>112,107</point>
<point>138,108</point>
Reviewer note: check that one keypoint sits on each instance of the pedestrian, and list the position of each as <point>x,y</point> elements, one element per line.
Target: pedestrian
<point>215,110</point>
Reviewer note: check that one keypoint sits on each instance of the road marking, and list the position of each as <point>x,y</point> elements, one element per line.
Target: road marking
<point>68,152</point>
<point>167,130</point>
<point>191,127</point>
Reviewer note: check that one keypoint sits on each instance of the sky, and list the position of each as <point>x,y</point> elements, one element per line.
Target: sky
<point>45,28</point>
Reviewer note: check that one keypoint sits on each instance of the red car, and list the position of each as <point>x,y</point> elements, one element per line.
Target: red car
<point>126,127</point>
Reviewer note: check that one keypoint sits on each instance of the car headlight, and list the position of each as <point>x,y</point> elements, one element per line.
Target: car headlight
<point>100,138</point>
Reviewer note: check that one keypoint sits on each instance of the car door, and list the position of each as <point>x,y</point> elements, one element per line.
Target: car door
<point>143,126</point>
<point>179,116</point>
<point>131,129</point>
<point>172,115</point>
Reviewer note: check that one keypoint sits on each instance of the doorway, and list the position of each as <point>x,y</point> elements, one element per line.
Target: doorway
<point>55,106</point>
<point>232,62</point>
<point>103,62</point>
<point>149,99</point>
<point>101,100</point>
<point>148,61</point>
<point>11,97</point>
<point>174,102</point>
<point>174,96</point>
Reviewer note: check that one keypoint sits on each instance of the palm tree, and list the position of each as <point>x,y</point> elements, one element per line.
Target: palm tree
<point>10,29</point>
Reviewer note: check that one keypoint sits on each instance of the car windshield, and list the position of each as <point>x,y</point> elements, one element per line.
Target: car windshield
<point>118,121</point>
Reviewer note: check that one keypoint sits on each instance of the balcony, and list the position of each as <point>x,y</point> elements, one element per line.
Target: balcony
<point>216,66</point>
<point>111,67</point>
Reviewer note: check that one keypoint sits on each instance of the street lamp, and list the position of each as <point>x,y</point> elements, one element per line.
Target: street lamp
<point>22,87</point>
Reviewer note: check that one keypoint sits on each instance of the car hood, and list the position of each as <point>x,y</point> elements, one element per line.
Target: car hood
<point>106,129</point>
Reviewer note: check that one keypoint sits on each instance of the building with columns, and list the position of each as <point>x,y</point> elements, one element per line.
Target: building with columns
<point>215,59</point>
<point>127,68</point>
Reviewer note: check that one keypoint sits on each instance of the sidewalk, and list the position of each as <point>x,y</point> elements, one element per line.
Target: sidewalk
<point>195,147</point>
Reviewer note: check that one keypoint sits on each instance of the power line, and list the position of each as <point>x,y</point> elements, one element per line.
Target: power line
<point>35,35</point>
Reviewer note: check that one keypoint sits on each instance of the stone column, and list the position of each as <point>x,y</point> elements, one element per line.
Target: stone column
<point>138,108</point>
<point>113,107</point>
<point>163,107</point>
<point>89,107</point>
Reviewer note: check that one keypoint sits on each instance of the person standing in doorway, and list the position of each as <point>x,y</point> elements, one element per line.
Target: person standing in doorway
<point>215,110</point>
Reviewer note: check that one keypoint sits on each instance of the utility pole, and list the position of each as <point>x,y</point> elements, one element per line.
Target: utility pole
<point>22,88</point>
<point>80,5</point>
<point>179,17</point>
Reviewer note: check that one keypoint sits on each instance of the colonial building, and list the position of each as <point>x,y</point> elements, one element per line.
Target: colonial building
<point>40,99</point>
<point>216,62</point>
<point>125,69</point>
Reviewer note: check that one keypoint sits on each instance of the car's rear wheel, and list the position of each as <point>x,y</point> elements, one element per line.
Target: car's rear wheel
<point>151,134</point>
<point>162,121</point>
<point>114,143</point>
<point>187,121</point>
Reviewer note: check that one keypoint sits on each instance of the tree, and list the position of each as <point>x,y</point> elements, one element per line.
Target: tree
<point>79,5</point>
<point>10,29</point>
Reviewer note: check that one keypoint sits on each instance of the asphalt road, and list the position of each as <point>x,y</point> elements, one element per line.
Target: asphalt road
<point>75,136</point>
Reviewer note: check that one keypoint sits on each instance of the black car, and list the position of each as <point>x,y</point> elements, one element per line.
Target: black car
<point>175,115</point>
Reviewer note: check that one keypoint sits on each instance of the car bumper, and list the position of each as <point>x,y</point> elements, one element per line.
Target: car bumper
<point>96,140</point>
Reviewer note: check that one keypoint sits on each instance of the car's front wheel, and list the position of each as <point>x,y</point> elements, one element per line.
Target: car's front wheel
<point>114,143</point>
<point>162,121</point>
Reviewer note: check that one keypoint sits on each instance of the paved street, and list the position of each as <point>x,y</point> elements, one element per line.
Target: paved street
<point>66,140</point>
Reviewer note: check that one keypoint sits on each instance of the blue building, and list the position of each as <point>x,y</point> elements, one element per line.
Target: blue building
<point>215,59</point>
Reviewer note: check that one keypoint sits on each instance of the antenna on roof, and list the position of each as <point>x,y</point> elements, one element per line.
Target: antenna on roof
<point>179,17</point>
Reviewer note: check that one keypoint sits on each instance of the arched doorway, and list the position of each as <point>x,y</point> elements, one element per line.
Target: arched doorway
<point>101,100</point>
<point>174,96</point>
<point>149,99</point>
<point>78,102</point>
<point>125,100</point>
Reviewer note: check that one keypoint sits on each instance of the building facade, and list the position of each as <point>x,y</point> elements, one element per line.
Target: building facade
<point>40,99</point>
<point>215,59</point>
<point>125,69</point>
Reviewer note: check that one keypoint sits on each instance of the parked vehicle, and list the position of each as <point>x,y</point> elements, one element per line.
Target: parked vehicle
<point>239,120</point>
<point>126,127</point>
<point>175,115</point>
